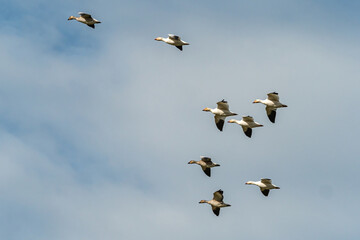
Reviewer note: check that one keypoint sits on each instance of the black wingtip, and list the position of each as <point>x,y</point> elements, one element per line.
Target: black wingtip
<point>265,192</point>
<point>179,47</point>
<point>91,25</point>
<point>220,124</point>
<point>207,171</point>
<point>272,116</point>
<point>248,132</point>
<point>216,211</point>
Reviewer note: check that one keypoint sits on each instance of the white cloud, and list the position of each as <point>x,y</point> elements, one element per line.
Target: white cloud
<point>95,143</point>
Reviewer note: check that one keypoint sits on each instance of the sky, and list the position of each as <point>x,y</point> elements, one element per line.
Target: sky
<point>97,125</point>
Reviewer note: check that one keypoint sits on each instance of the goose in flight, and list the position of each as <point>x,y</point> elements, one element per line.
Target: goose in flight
<point>247,123</point>
<point>265,185</point>
<point>173,40</point>
<point>86,19</point>
<point>217,202</point>
<point>206,164</point>
<point>221,112</point>
<point>272,103</point>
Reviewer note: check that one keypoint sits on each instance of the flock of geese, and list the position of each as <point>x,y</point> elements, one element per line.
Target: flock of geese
<point>222,111</point>
<point>247,123</point>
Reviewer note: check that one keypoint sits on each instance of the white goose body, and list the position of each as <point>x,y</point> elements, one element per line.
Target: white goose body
<point>173,40</point>
<point>217,202</point>
<point>272,103</point>
<point>247,123</point>
<point>206,165</point>
<point>86,19</point>
<point>221,112</point>
<point>265,185</point>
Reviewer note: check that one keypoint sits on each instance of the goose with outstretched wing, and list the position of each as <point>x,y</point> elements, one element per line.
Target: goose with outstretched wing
<point>206,164</point>
<point>247,123</point>
<point>173,40</point>
<point>272,103</point>
<point>220,113</point>
<point>217,202</point>
<point>86,19</point>
<point>265,185</point>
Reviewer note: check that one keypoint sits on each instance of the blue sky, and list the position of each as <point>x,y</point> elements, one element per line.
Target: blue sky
<point>97,125</point>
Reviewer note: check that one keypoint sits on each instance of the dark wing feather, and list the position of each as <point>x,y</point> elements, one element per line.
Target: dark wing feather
<point>206,160</point>
<point>174,37</point>
<point>265,192</point>
<point>247,131</point>
<point>91,25</point>
<point>207,171</point>
<point>271,114</point>
<point>220,124</point>
<point>179,47</point>
<point>216,210</point>
<point>218,195</point>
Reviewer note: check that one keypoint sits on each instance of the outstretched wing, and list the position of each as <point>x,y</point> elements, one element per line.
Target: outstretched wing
<point>247,131</point>
<point>207,171</point>
<point>248,119</point>
<point>91,25</point>
<point>223,105</point>
<point>273,96</point>
<point>265,192</point>
<point>174,37</point>
<point>271,113</point>
<point>266,180</point>
<point>179,47</point>
<point>218,195</point>
<point>206,160</point>
<point>85,15</point>
<point>219,121</point>
<point>216,210</point>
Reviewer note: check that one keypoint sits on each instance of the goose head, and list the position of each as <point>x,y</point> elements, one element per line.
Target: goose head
<point>159,39</point>
<point>232,121</point>
<point>257,101</point>
<point>192,162</point>
<point>71,18</point>
<point>203,201</point>
<point>207,109</point>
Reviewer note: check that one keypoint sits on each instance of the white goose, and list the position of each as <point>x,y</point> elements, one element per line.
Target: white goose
<point>206,164</point>
<point>217,202</point>
<point>86,19</point>
<point>173,40</point>
<point>247,123</point>
<point>272,103</point>
<point>265,185</point>
<point>221,112</point>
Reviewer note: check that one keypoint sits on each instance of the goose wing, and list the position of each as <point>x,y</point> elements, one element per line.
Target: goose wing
<point>266,180</point>
<point>219,121</point>
<point>274,96</point>
<point>216,210</point>
<point>207,171</point>
<point>174,37</point>
<point>265,191</point>
<point>271,113</point>
<point>85,15</point>
<point>223,105</point>
<point>247,131</point>
<point>248,119</point>
<point>218,195</point>
<point>206,160</point>
<point>179,47</point>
